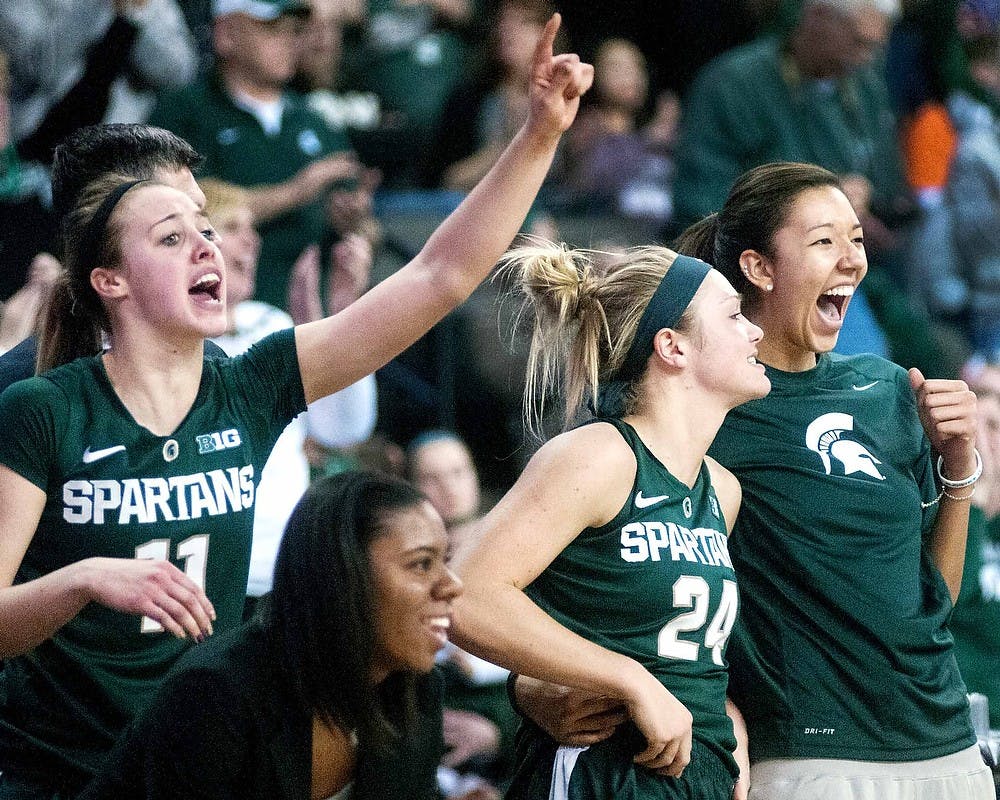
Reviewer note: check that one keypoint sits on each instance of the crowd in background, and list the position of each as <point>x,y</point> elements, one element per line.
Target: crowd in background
<point>349,126</point>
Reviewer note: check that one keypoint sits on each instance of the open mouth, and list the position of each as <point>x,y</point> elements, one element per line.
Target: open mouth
<point>833,302</point>
<point>439,629</point>
<point>208,286</point>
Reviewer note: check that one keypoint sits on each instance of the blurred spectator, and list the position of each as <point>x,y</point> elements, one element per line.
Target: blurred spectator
<point>379,453</point>
<point>975,622</point>
<point>938,31</point>
<point>65,58</point>
<point>19,315</point>
<point>410,54</point>
<point>255,132</point>
<point>816,95</point>
<point>917,91</point>
<point>973,198</point>
<point>480,117</point>
<point>469,738</point>
<point>27,225</point>
<point>349,205</point>
<point>440,465</point>
<point>921,74</point>
<point>341,419</point>
<point>609,162</point>
<point>319,70</point>
<point>697,31</point>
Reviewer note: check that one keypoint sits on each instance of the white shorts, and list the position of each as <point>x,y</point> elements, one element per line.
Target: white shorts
<point>960,776</point>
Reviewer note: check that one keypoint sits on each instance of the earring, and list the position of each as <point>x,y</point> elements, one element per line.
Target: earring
<point>769,287</point>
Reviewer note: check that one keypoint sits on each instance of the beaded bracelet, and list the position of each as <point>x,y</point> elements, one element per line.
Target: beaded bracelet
<point>961,484</point>
<point>956,497</point>
<point>933,502</point>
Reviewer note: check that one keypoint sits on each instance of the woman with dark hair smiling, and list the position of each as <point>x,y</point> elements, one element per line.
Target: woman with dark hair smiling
<point>327,686</point>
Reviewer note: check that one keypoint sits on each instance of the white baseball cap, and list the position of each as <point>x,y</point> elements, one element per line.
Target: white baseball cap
<point>265,10</point>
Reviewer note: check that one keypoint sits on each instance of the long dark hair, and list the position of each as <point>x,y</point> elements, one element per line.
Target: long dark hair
<point>320,611</point>
<point>756,208</point>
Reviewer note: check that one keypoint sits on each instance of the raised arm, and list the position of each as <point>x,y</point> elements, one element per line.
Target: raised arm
<point>947,410</point>
<point>32,612</point>
<point>563,490</point>
<point>336,351</point>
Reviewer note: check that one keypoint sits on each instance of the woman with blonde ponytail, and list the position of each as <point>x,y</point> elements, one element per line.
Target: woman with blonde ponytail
<point>605,567</point>
<point>857,479</point>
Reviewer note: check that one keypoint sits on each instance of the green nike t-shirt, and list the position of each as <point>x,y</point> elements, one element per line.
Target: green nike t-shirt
<point>843,648</point>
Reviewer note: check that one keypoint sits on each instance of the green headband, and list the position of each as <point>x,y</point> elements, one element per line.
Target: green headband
<point>664,310</point>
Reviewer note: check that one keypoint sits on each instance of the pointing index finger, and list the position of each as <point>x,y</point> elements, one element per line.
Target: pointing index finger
<point>543,50</point>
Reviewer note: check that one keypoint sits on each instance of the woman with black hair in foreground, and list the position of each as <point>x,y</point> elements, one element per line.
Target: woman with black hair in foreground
<point>326,692</point>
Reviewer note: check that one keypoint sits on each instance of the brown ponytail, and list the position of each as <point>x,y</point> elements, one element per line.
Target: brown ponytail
<point>75,319</point>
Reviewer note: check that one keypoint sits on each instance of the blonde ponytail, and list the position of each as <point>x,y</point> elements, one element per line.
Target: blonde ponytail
<point>586,306</point>
<point>560,288</point>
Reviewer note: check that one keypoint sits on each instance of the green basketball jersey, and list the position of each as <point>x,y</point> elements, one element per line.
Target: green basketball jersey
<point>842,650</point>
<point>116,490</point>
<point>656,584</point>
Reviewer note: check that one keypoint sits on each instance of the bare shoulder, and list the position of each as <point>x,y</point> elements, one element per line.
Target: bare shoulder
<point>593,463</point>
<point>598,447</point>
<point>727,488</point>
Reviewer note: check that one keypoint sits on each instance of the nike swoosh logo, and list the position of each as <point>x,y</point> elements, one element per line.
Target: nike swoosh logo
<point>645,502</point>
<point>866,386</point>
<point>90,456</point>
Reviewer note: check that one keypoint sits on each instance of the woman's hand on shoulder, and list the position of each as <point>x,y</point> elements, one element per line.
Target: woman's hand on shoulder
<point>153,588</point>
<point>557,83</point>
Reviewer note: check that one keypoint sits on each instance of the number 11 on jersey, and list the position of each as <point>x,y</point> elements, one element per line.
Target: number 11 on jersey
<point>193,551</point>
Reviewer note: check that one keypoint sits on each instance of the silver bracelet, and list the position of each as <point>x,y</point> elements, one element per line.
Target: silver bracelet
<point>956,497</point>
<point>961,484</point>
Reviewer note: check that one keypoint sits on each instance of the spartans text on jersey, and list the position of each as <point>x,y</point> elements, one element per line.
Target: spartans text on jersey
<point>644,540</point>
<point>147,500</point>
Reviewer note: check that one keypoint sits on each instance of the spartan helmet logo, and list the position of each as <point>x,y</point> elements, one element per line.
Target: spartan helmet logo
<point>825,437</point>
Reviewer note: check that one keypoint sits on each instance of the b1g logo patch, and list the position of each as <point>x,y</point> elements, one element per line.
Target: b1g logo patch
<point>220,440</point>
